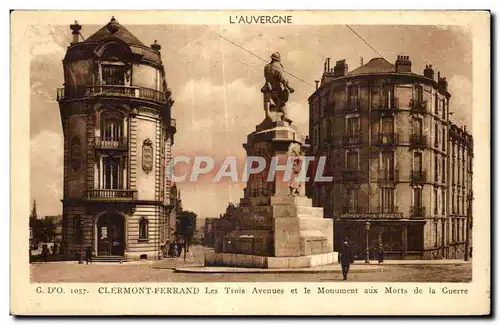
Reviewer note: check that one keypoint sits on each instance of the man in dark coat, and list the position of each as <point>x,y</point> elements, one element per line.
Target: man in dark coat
<point>88,254</point>
<point>346,257</point>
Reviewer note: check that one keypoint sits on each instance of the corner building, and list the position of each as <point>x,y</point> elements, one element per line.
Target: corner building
<point>116,118</point>
<point>384,131</point>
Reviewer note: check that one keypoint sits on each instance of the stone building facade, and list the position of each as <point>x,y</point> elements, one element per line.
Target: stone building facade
<point>385,133</point>
<point>118,132</point>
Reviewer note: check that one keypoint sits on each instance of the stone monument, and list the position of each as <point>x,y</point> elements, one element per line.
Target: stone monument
<point>275,224</point>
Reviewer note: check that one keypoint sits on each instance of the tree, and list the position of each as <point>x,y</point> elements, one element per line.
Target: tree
<point>44,230</point>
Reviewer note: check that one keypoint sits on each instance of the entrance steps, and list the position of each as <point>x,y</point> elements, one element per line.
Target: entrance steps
<point>109,259</point>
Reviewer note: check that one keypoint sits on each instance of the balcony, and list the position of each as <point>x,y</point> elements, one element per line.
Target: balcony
<point>353,175</point>
<point>110,195</point>
<point>351,105</point>
<point>418,177</point>
<point>385,105</point>
<point>390,175</point>
<point>386,139</point>
<point>111,143</point>
<point>388,209</point>
<point>418,106</point>
<point>417,212</point>
<point>418,141</point>
<point>352,139</point>
<point>80,92</point>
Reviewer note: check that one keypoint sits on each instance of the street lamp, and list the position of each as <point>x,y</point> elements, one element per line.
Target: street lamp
<point>367,232</point>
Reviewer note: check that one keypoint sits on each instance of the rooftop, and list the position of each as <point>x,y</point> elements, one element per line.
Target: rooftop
<point>375,65</point>
<point>113,29</point>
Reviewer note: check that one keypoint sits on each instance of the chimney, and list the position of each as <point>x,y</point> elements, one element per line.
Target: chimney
<point>156,46</point>
<point>403,64</point>
<point>429,71</point>
<point>442,82</point>
<point>328,64</point>
<point>317,82</point>
<point>76,31</point>
<point>341,68</point>
<point>324,67</point>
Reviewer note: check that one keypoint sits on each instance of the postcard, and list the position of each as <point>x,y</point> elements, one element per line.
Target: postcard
<point>250,163</point>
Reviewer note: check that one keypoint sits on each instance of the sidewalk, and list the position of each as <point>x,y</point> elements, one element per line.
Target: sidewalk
<point>358,266</point>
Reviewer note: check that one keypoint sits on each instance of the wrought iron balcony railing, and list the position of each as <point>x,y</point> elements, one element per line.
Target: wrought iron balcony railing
<point>417,212</point>
<point>352,139</point>
<point>418,176</point>
<point>386,139</point>
<point>388,175</point>
<point>418,141</point>
<point>78,92</point>
<point>351,105</point>
<point>110,194</point>
<point>111,143</point>
<point>418,106</point>
<point>388,209</point>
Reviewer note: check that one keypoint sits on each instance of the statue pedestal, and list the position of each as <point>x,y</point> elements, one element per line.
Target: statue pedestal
<point>271,228</point>
<point>288,233</point>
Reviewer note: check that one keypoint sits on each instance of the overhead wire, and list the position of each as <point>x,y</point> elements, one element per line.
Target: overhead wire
<point>255,55</point>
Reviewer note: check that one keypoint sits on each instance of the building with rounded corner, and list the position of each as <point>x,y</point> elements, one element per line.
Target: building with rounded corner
<point>385,132</point>
<point>115,110</point>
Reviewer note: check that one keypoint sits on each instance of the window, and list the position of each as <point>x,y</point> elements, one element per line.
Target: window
<point>453,234</point>
<point>444,139</point>
<point>387,165</point>
<point>417,196</point>
<point>444,108</point>
<point>436,135</point>
<point>387,125</point>
<point>112,173</point>
<point>453,201</point>
<point>443,170</point>
<point>352,92</point>
<point>436,108</point>
<point>352,160</point>
<point>443,202</point>
<point>387,199</point>
<point>419,93</point>
<point>353,126</point>
<point>143,228</point>
<point>417,126</point>
<point>352,199</point>
<point>78,231</point>
<point>435,201</point>
<point>113,75</point>
<point>329,130</point>
<point>453,172</point>
<point>417,161</point>
<point>435,224</point>
<point>436,168</point>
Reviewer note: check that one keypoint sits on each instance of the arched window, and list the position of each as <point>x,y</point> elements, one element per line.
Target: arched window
<point>78,232</point>
<point>143,228</point>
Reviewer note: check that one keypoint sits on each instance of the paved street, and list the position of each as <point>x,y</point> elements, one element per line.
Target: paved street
<point>144,272</point>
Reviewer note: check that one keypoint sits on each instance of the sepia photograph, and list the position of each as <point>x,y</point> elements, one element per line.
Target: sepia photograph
<point>253,147</point>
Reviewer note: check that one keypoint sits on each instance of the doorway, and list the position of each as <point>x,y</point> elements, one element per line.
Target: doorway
<point>111,235</point>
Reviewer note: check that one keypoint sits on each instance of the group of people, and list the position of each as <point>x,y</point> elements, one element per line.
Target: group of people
<point>173,249</point>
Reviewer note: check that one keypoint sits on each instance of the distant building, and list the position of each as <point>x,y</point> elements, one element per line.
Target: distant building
<point>118,132</point>
<point>208,232</point>
<point>385,132</point>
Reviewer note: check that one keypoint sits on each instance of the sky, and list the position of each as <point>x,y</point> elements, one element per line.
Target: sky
<point>216,87</point>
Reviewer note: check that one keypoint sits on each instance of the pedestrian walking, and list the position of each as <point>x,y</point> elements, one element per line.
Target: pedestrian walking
<point>380,253</point>
<point>179,250</point>
<point>346,257</point>
<point>88,254</point>
<point>45,252</point>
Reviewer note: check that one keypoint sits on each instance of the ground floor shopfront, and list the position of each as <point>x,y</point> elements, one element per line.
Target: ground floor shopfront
<point>400,239</point>
<point>133,231</point>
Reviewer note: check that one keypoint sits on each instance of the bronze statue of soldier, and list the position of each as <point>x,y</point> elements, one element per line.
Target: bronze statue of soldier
<point>276,90</point>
